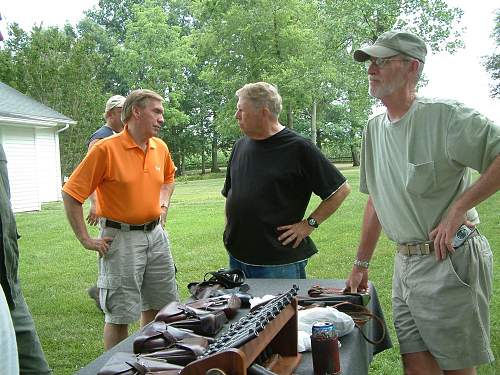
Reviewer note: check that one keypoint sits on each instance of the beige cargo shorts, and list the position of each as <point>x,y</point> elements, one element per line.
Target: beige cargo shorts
<point>442,306</point>
<point>136,274</point>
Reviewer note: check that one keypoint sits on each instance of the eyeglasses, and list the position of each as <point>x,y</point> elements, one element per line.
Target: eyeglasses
<point>381,61</point>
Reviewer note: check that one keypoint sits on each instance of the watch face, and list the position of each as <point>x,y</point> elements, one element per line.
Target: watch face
<point>312,222</point>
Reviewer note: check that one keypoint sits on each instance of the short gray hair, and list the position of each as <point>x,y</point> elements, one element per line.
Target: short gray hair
<point>140,99</point>
<point>420,67</point>
<point>262,94</point>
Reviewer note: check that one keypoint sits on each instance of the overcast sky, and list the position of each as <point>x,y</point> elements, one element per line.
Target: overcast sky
<point>459,76</point>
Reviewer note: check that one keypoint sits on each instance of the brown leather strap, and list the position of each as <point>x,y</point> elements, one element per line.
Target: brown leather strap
<point>317,291</point>
<point>360,317</point>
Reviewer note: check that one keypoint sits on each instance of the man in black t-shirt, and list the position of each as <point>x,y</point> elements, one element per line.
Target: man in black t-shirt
<point>271,175</point>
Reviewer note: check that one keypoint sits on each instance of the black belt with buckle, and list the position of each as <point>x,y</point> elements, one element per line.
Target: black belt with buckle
<point>144,227</point>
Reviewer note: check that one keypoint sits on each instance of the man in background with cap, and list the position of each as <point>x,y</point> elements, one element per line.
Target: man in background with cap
<point>415,167</point>
<point>112,116</point>
<point>133,176</point>
<point>113,125</point>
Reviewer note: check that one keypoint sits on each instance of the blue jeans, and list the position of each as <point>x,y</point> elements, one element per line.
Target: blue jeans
<point>286,271</point>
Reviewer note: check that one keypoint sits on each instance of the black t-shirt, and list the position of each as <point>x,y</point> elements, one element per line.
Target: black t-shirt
<point>269,184</point>
<point>101,133</point>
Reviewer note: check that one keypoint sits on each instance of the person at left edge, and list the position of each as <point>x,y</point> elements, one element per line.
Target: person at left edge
<point>270,178</point>
<point>133,175</point>
<point>31,357</point>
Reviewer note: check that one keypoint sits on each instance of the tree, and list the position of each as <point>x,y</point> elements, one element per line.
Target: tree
<point>113,16</point>
<point>198,53</point>
<point>492,63</point>
<point>57,68</point>
<point>305,47</point>
<point>157,56</point>
<point>356,23</point>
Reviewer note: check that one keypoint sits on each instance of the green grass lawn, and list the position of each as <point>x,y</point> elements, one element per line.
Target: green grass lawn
<point>56,271</point>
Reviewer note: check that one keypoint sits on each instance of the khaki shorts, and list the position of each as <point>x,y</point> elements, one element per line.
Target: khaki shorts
<point>442,306</point>
<point>137,274</point>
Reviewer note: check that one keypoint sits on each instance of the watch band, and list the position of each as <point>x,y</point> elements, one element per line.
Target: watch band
<point>362,263</point>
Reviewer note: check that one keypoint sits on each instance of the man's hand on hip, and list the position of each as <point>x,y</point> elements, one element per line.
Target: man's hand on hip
<point>443,234</point>
<point>92,218</point>
<point>294,232</point>
<point>101,245</point>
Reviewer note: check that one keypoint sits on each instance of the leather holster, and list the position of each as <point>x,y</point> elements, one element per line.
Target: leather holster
<point>228,303</point>
<point>160,336</point>
<point>123,363</point>
<point>201,322</point>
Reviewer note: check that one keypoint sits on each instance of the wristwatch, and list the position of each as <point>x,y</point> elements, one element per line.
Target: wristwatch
<point>312,222</point>
<point>362,263</point>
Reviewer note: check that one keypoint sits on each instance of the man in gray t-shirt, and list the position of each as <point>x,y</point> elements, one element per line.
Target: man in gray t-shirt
<point>415,167</point>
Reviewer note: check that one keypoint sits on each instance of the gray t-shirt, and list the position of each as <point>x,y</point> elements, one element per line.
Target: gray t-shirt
<point>414,168</point>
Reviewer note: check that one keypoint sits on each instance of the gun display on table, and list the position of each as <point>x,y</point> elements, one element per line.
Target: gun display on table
<point>270,326</point>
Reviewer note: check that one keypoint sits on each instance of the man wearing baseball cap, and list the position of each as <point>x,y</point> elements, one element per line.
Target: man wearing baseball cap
<point>113,125</point>
<point>416,162</point>
<point>112,115</point>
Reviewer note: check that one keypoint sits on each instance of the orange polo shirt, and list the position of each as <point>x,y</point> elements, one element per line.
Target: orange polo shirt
<point>126,179</point>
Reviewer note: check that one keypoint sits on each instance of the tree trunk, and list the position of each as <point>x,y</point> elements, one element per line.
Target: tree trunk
<point>319,139</point>
<point>313,123</point>
<point>183,165</point>
<point>177,162</point>
<point>215,162</point>
<point>203,158</point>
<point>355,156</point>
<point>289,116</point>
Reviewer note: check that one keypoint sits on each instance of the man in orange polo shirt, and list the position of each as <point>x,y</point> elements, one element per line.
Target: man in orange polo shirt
<point>132,174</point>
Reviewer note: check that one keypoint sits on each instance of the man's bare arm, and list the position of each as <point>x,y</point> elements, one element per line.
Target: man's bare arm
<point>166,191</point>
<point>74,213</point>
<point>370,233</point>
<point>92,218</point>
<point>487,185</point>
<point>298,231</point>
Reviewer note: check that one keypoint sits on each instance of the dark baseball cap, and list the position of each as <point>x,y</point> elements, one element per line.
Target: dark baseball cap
<point>393,43</point>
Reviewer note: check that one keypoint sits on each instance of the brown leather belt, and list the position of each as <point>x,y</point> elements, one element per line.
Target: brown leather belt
<point>424,248</point>
<point>126,227</point>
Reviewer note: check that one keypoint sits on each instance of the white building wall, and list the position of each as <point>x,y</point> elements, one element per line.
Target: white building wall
<point>48,167</point>
<point>20,149</point>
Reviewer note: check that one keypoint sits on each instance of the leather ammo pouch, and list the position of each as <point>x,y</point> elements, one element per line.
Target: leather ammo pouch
<point>182,352</point>
<point>228,303</point>
<point>123,363</point>
<point>159,336</point>
<point>200,322</point>
<point>208,324</point>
